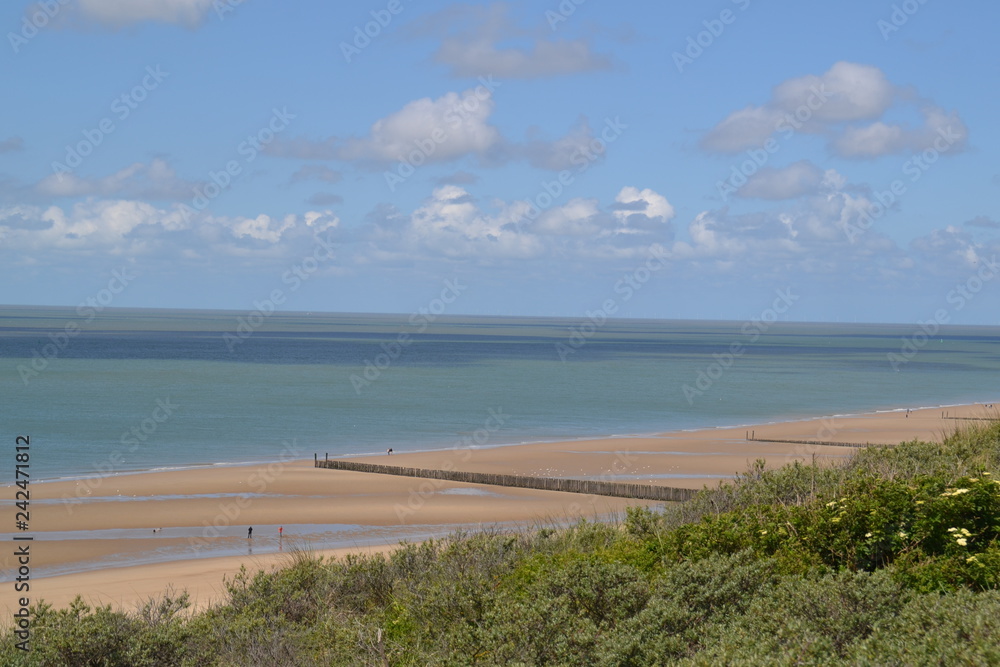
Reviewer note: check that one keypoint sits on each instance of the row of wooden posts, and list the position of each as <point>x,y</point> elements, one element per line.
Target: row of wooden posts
<point>587,486</point>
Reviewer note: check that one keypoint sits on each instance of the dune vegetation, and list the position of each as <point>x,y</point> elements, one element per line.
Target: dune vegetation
<point>890,558</point>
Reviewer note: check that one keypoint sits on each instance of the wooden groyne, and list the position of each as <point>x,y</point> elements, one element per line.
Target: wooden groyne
<point>587,486</point>
<point>827,443</point>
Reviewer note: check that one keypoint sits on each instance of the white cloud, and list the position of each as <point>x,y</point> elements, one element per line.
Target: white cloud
<point>564,153</point>
<point>953,249</point>
<point>797,179</point>
<point>940,131</point>
<point>118,13</point>
<point>845,92</point>
<point>633,202</point>
<point>479,56</point>
<point>453,125</point>
<point>156,180</point>
<point>451,224</point>
<point>470,37</point>
<point>578,217</point>
<point>442,130</point>
<point>836,104</point>
<point>137,228</point>
<point>747,128</point>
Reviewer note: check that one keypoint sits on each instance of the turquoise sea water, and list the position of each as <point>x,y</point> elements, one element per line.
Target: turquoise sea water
<point>138,389</point>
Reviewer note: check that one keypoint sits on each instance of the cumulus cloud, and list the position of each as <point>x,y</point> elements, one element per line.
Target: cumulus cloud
<point>641,210</point>
<point>817,234</point>
<point>440,130</point>
<point>847,105</point>
<point>562,153</point>
<point>156,180</point>
<point>470,45</point>
<point>120,13</point>
<point>796,180</point>
<point>940,131</point>
<point>452,224</point>
<point>953,249</point>
<point>118,227</point>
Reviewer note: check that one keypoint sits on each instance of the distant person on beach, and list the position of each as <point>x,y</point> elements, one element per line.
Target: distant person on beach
<point>389,451</point>
<point>280,528</point>
<point>250,533</point>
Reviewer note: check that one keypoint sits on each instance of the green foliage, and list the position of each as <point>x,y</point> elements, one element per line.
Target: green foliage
<point>892,558</point>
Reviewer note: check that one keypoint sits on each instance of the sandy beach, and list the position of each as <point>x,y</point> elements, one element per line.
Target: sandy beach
<point>122,538</point>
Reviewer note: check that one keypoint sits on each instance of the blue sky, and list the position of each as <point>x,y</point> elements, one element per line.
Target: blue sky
<point>680,160</point>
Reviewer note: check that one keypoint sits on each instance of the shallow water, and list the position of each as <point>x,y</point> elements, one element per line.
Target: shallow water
<point>139,390</point>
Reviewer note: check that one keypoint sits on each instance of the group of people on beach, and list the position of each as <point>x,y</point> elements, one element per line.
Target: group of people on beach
<point>281,529</point>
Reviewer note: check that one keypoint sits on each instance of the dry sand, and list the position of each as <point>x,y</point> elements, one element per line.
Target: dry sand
<point>90,534</point>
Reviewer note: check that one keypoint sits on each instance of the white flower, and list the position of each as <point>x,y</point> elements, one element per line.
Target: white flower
<point>962,541</point>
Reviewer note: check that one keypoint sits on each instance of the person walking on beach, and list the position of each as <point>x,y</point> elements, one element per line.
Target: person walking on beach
<point>280,529</point>
<point>250,533</point>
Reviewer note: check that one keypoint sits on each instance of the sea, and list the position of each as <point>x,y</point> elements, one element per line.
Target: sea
<point>131,389</point>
